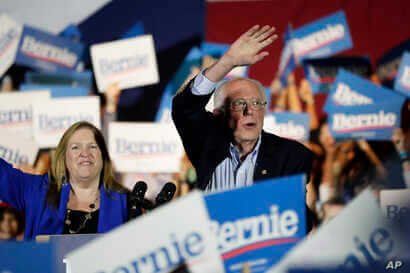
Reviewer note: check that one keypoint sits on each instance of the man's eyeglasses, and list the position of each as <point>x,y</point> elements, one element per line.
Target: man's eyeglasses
<point>254,104</point>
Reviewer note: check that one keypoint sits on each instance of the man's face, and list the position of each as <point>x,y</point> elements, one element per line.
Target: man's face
<point>246,110</point>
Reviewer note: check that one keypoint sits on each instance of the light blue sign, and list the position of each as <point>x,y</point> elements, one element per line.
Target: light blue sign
<point>136,30</point>
<point>321,73</point>
<point>352,90</point>
<point>57,91</point>
<point>258,224</point>
<point>44,51</point>
<point>402,82</point>
<point>371,122</point>
<point>287,61</point>
<point>193,59</point>
<point>324,37</point>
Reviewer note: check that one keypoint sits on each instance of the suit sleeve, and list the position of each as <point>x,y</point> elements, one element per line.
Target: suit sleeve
<point>16,185</point>
<point>192,121</point>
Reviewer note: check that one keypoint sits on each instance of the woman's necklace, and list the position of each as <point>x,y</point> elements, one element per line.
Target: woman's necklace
<point>87,217</point>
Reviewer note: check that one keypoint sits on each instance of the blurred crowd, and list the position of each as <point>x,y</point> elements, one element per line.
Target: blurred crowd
<point>342,169</point>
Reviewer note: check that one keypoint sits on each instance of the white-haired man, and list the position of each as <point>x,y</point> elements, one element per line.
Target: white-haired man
<point>228,147</point>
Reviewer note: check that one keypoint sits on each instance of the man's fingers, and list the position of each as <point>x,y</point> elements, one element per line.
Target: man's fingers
<point>260,56</point>
<point>266,34</point>
<point>268,41</point>
<point>261,31</point>
<point>251,31</point>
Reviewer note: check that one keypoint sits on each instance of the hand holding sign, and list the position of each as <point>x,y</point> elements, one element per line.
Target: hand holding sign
<point>112,95</point>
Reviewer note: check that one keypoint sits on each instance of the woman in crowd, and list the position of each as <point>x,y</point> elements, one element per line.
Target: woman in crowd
<point>79,194</point>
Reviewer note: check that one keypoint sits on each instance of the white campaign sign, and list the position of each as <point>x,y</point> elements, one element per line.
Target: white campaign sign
<point>52,118</point>
<point>288,130</point>
<point>10,33</point>
<point>128,62</point>
<point>16,111</point>
<point>144,245</point>
<point>358,237</point>
<point>395,204</point>
<point>17,149</point>
<point>145,147</point>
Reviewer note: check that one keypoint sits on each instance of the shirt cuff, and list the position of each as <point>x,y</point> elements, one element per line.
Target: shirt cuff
<point>202,85</point>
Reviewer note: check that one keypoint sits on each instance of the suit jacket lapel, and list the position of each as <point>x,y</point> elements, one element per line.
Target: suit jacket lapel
<point>267,162</point>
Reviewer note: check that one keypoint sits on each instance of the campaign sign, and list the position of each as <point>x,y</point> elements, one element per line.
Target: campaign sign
<point>287,61</point>
<point>395,204</point>
<point>359,237</point>
<point>16,111</point>
<point>402,82</point>
<point>258,224</point>
<point>53,117</point>
<point>44,51</point>
<point>17,149</point>
<point>192,60</point>
<point>216,50</point>
<point>352,90</point>
<point>173,234</point>
<point>324,37</point>
<point>288,125</point>
<point>136,30</point>
<point>145,147</point>
<point>75,79</point>
<point>321,73</point>
<point>371,122</point>
<point>10,32</point>
<point>23,257</point>
<point>388,64</point>
<point>164,113</point>
<point>128,62</point>
<point>57,91</point>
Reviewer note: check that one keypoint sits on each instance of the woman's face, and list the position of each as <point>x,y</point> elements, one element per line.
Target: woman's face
<point>83,157</point>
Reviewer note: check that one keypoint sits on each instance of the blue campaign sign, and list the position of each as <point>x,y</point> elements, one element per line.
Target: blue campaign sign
<point>352,90</point>
<point>402,82</point>
<point>47,52</point>
<point>136,30</point>
<point>23,257</point>
<point>216,50</point>
<point>371,122</point>
<point>324,37</point>
<point>193,59</point>
<point>287,61</point>
<point>57,91</point>
<point>258,224</point>
<point>321,73</point>
<point>83,79</point>
<point>289,125</point>
<point>388,63</point>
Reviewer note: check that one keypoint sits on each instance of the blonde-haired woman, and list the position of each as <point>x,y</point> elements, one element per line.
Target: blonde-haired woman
<point>79,194</point>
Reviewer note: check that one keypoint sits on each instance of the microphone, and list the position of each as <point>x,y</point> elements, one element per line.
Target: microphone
<point>136,199</point>
<point>166,194</point>
<point>139,190</point>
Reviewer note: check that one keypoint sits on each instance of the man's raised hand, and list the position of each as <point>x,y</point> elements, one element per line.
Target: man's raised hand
<point>246,50</point>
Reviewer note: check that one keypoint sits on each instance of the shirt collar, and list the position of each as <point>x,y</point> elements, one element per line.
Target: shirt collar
<point>235,155</point>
